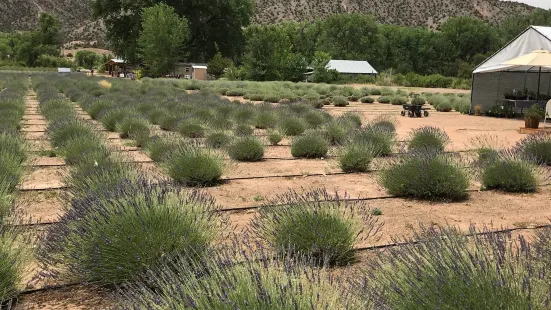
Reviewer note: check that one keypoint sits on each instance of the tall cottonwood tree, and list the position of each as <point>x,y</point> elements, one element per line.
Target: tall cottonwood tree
<point>161,39</point>
<point>215,25</point>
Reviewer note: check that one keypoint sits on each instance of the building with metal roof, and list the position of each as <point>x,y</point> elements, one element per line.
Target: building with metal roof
<point>351,67</point>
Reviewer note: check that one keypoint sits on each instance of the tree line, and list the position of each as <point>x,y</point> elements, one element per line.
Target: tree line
<point>159,34</point>
<point>220,31</point>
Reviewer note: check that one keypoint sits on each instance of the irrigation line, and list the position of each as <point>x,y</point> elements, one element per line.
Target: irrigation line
<point>360,249</point>
<point>500,231</point>
<point>248,208</point>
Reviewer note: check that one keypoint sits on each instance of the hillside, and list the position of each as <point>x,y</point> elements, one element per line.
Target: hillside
<point>402,12</point>
<point>75,14</point>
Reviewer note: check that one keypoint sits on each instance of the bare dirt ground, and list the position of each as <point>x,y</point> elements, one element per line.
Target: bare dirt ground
<point>252,184</point>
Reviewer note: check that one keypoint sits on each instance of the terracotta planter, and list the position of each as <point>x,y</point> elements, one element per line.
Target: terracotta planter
<point>530,122</point>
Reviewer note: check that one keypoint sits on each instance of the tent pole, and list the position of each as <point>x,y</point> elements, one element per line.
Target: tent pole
<point>498,82</point>
<point>539,81</point>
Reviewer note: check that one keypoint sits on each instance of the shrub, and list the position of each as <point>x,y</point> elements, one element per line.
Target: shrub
<point>444,107</point>
<point>168,122</point>
<point>382,141</point>
<point>111,238</point>
<point>375,92</point>
<point>385,91</point>
<point>449,270</point>
<point>96,178</point>
<point>12,265</point>
<point>418,100</point>
<point>217,140</point>
<point>324,101</point>
<point>311,145</point>
<point>353,98</point>
<point>462,105</point>
<point>62,131</point>
<point>510,174</point>
<point>315,119</point>
<point>292,126</point>
<point>241,280</point>
<point>399,100</point>
<point>426,175</point>
<point>340,101</point>
<point>191,129</point>
<point>437,100</point>
<point>160,149</point>
<point>354,120</point>
<point>367,100</point>
<point>133,127</point>
<point>98,107</point>
<point>428,137</point>
<point>383,99</point>
<point>112,118</point>
<point>536,147</point>
<point>243,130</point>
<point>384,123</point>
<point>248,149</point>
<point>256,97</point>
<point>356,157</point>
<point>336,132</point>
<point>265,119</point>
<point>320,226</point>
<point>78,151</point>
<point>235,93</point>
<point>274,137</point>
<point>193,166</point>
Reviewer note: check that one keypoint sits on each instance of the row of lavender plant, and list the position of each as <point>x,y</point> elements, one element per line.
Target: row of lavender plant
<point>130,234</point>
<point>13,154</point>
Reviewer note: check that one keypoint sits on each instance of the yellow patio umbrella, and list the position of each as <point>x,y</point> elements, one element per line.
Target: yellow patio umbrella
<point>539,58</point>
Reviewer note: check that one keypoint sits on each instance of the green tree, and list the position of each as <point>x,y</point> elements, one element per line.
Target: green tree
<point>86,59</point>
<point>515,24</point>
<point>350,36</point>
<point>214,25</point>
<point>321,73</point>
<point>294,67</point>
<point>470,36</point>
<point>268,49</point>
<point>49,28</point>
<point>218,65</point>
<point>162,37</point>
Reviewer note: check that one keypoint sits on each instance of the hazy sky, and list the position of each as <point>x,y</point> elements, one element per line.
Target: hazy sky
<point>546,4</point>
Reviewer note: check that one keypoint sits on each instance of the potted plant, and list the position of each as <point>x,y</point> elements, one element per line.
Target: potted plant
<point>533,116</point>
<point>478,110</point>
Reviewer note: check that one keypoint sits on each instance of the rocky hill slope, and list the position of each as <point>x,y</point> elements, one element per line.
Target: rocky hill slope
<point>75,14</point>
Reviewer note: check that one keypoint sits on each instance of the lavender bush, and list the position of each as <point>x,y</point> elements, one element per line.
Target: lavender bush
<point>317,225</point>
<point>448,270</point>
<point>536,147</point>
<point>510,172</point>
<point>110,238</point>
<point>426,174</point>
<point>235,281</point>
<point>428,137</point>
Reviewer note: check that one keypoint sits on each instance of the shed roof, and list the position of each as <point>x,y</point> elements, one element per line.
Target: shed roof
<point>117,60</point>
<point>351,66</point>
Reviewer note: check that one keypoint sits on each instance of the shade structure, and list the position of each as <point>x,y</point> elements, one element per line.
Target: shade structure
<point>537,59</point>
<point>493,77</point>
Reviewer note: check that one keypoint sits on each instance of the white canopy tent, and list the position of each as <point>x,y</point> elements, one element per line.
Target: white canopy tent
<point>492,78</point>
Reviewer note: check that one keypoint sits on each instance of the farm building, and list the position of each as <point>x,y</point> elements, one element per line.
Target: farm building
<point>191,71</point>
<point>493,79</point>
<point>118,67</point>
<point>347,67</point>
<point>351,67</point>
